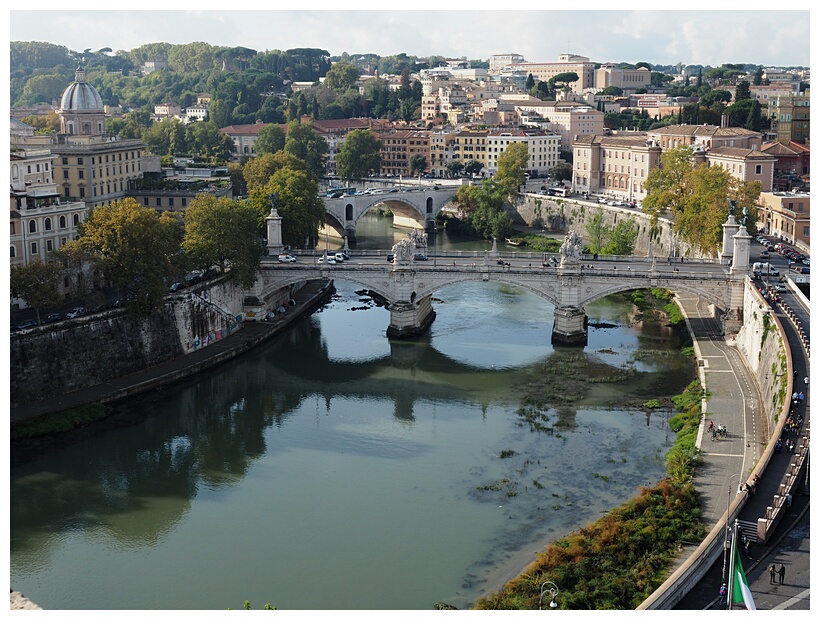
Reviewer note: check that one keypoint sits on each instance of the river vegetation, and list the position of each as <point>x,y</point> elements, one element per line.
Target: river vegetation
<point>620,559</point>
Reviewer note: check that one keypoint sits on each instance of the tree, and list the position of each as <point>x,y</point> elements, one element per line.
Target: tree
<point>665,184</point>
<point>562,171</point>
<point>530,82</point>
<point>511,166</point>
<point>612,91</point>
<point>342,76</point>
<point>303,142</point>
<point>564,79</point>
<point>36,283</point>
<point>219,231</point>
<point>754,120</point>
<point>743,91</point>
<point>359,155</point>
<point>483,209</point>
<point>597,231</point>
<point>473,167</point>
<point>206,140</point>
<point>269,139</point>
<point>454,168</point>
<point>418,164</point>
<point>622,238</point>
<point>134,249</point>
<point>259,170</point>
<point>297,203</point>
<point>758,77</point>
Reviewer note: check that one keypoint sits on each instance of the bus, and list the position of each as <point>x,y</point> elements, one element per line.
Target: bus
<point>558,191</point>
<point>338,192</point>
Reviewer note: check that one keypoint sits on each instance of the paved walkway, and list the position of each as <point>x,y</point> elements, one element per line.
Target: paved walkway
<point>251,334</point>
<point>734,401</point>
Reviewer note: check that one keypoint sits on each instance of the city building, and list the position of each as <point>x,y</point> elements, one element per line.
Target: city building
<point>791,117</point>
<point>785,215</point>
<point>567,63</point>
<point>543,149</point>
<point>568,119</point>
<point>40,221</point>
<point>609,74</point>
<point>792,161</point>
<point>614,165</point>
<point>399,146</point>
<point>501,61</point>
<point>706,136</point>
<point>742,163</point>
<point>81,108</point>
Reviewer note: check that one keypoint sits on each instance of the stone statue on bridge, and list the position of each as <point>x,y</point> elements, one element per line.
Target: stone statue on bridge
<point>404,251</point>
<point>571,249</point>
<point>419,239</point>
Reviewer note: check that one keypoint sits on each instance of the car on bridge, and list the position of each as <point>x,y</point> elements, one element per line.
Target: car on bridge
<point>76,312</point>
<point>330,260</point>
<point>287,258</point>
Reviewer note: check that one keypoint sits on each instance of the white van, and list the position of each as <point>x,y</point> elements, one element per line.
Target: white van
<point>339,257</point>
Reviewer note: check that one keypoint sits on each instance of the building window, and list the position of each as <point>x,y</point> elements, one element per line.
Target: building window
<point>48,223</point>
<point>32,226</point>
<point>49,245</point>
<point>82,192</point>
<point>184,202</point>
<point>170,202</point>
<point>159,202</point>
<point>62,221</point>
<point>79,161</point>
<point>65,161</point>
<point>805,231</point>
<point>34,248</point>
<point>81,173</point>
<point>13,252</point>
<point>76,219</point>
<point>758,169</point>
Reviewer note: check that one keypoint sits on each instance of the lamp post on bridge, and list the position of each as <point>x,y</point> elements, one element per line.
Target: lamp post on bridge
<point>553,591</point>
<point>726,533</point>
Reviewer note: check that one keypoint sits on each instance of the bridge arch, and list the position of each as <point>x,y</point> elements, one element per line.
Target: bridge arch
<point>678,286</point>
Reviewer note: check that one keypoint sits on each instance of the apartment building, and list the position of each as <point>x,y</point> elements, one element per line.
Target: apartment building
<point>616,165</point>
<point>40,221</point>
<point>543,148</point>
<point>791,117</point>
<point>399,146</point>
<point>764,94</point>
<point>786,216</point>
<point>441,152</point>
<point>569,120</point>
<point>543,71</point>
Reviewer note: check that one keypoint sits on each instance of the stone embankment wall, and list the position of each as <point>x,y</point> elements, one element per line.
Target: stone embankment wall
<point>68,356</point>
<point>562,215</point>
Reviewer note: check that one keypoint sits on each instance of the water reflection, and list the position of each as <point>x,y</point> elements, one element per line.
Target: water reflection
<point>336,450</point>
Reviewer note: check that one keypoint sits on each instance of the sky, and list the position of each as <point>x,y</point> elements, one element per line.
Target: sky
<point>705,37</point>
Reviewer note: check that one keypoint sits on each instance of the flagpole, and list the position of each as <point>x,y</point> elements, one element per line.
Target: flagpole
<point>731,582</point>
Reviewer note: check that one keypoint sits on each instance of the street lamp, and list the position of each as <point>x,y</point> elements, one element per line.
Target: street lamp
<point>553,591</point>
<point>726,533</point>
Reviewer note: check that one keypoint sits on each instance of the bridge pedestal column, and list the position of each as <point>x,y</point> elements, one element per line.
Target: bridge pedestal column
<point>570,327</point>
<point>410,319</point>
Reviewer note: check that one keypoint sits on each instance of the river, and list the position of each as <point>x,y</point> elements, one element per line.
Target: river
<point>334,469</point>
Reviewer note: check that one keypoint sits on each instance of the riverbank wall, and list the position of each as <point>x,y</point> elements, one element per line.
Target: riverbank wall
<point>110,356</point>
<point>560,215</point>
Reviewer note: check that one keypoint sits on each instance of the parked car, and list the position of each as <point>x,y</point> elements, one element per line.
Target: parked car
<point>176,286</point>
<point>330,260</point>
<point>340,257</point>
<point>27,324</point>
<point>76,312</point>
<point>54,316</point>
<point>780,288</point>
<point>389,258</point>
<point>806,261</point>
<point>764,254</point>
<point>420,257</point>
<point>602,201</point>
<point>287,258</point>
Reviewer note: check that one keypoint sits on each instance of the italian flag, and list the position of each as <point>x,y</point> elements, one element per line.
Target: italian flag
<point>740,588</point>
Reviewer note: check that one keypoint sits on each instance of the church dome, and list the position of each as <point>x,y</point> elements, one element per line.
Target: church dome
<point>81,96</point>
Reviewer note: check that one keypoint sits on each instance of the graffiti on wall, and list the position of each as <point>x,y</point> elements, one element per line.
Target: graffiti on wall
<point>219,334</point>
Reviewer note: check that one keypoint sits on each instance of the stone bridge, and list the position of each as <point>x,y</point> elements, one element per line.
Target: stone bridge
<point>420,205</point>
<point>568,280</point>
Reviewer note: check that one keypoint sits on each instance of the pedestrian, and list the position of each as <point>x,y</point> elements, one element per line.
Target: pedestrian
<point>723,594</point>
<point>772,572</point>
<point>782,572</point>
<point>746,546</point>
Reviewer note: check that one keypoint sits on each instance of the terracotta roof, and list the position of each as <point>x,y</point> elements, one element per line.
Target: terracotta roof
<point>248,130</point>
<point>731,151</point>
<point>625,140</point>
<point>703,130</point>
<point>779,149</point>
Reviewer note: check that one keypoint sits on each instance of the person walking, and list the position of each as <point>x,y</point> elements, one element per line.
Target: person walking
<point>722,595</point>
<point>772,573</point>
<point>782,572</point>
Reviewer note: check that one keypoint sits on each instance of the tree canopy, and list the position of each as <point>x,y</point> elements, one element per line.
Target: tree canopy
<point>269,139</point>
<point>134,249</point>
<point>36,283</point>
<point>512,164</point>
<point>359,155</point>
<point>222,232</point>
<point>697,197</point>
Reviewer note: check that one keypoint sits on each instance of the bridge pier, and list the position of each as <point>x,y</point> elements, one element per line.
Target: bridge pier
<point>410,319</point>
<point>570,326</point>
